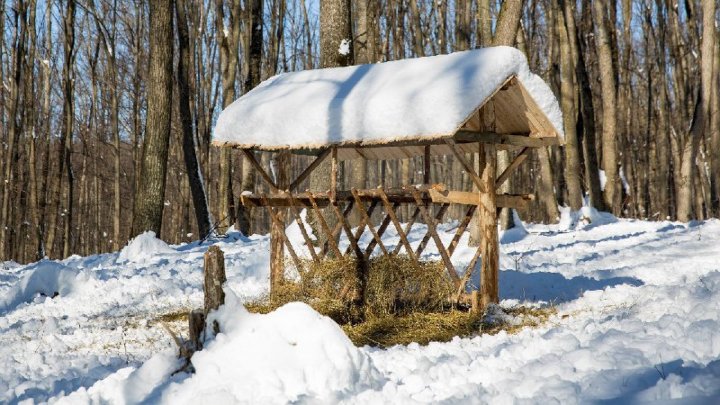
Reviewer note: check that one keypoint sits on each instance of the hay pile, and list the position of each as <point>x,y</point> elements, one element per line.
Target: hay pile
<point>405,302</point>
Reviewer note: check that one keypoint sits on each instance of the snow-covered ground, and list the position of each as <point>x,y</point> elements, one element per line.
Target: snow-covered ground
<point>638,319</point>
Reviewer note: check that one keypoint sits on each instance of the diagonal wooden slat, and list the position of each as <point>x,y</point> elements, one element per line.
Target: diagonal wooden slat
<point>438,242</point>
<point>351,238</point>
<point>511,168</point>
<point>253,161</point>
<point>461,229</point>
<point>299,221</point>
<point>408,228</point>
<point>465,164</point>
<point>337,228</point>
<point>363,223</point>
<point>323,224</point>
<point>391,212</point>
<point>427,236</point>
<point>467,274</point>
<point>381,230</point>
<point>286,240</point>
<point>367,221</point>
<point>315,163</point>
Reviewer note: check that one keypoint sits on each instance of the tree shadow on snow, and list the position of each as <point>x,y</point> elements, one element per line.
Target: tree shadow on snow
<point>553,287</point>
<point>631,386</point>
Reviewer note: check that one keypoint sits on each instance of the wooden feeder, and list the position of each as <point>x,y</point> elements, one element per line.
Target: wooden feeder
<point>505,117</point>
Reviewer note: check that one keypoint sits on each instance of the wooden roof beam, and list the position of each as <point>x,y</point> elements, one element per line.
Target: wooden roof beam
<point>505,139</point>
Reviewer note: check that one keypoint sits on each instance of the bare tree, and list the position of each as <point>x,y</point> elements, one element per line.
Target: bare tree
<point>150,196</point>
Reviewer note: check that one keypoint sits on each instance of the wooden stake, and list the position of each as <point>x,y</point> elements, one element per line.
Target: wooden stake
<point>214,276</point>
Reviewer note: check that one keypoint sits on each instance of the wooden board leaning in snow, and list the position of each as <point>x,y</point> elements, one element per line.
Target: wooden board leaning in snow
<point>400,101</point>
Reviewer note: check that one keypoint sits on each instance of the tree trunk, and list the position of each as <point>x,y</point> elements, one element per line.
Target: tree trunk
<point>150,197</point>
<point>254,60</point>
<point>226,39</point>
<point>609,91</point>
<point>192,167</point>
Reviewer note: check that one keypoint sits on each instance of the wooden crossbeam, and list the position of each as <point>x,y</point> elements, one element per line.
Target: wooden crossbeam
<point>429,221</point>
<point>517,201</point>
<point>250,156</point>
<point>429,196</point>
<point>315,163</point>
<point>522,140</point>
<point>511,168</point>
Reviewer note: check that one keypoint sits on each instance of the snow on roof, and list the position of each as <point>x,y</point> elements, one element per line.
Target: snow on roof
<point>402,100</point>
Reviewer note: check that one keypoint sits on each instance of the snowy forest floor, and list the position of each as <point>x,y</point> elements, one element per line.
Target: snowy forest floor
<point>638,319</point>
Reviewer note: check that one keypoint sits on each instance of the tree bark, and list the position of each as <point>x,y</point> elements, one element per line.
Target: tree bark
<point>192,167</point>
<point>609,97</point>
<point>150,197</point>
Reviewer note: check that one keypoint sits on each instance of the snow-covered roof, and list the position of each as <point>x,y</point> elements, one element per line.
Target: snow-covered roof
<point>394,102</point>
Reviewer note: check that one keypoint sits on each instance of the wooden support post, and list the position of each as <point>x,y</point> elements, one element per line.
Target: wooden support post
<point>333,175</point>
<point>476,306</point>
<point>487,211</point>
<point>426,165</point>
<point>214,275</point>
<point>277,225</point>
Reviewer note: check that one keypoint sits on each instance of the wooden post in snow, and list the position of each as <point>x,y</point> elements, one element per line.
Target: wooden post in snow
<point>214,273</point>
<point>281,163</point>
<point>214,278</point>
<point>487,211</point>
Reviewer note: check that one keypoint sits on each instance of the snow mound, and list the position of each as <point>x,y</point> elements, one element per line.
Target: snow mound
<point>584,218</point>
<point>143,248</point>
<point>288,355</point>
<point>46,279</point>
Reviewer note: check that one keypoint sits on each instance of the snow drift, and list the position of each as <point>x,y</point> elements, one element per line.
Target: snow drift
<point>288,355</point>
<point>143,248</point>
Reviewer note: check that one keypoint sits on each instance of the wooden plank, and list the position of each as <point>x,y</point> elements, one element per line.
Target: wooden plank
<point>434,195</point>
<point>506,139</point>
<point>487,212</point>
<point>304,175</point>
<point>250,156</point>
<point>430,222</point>
<point>519,159</point>
<point>517,201</point>
<point>467,274</point>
